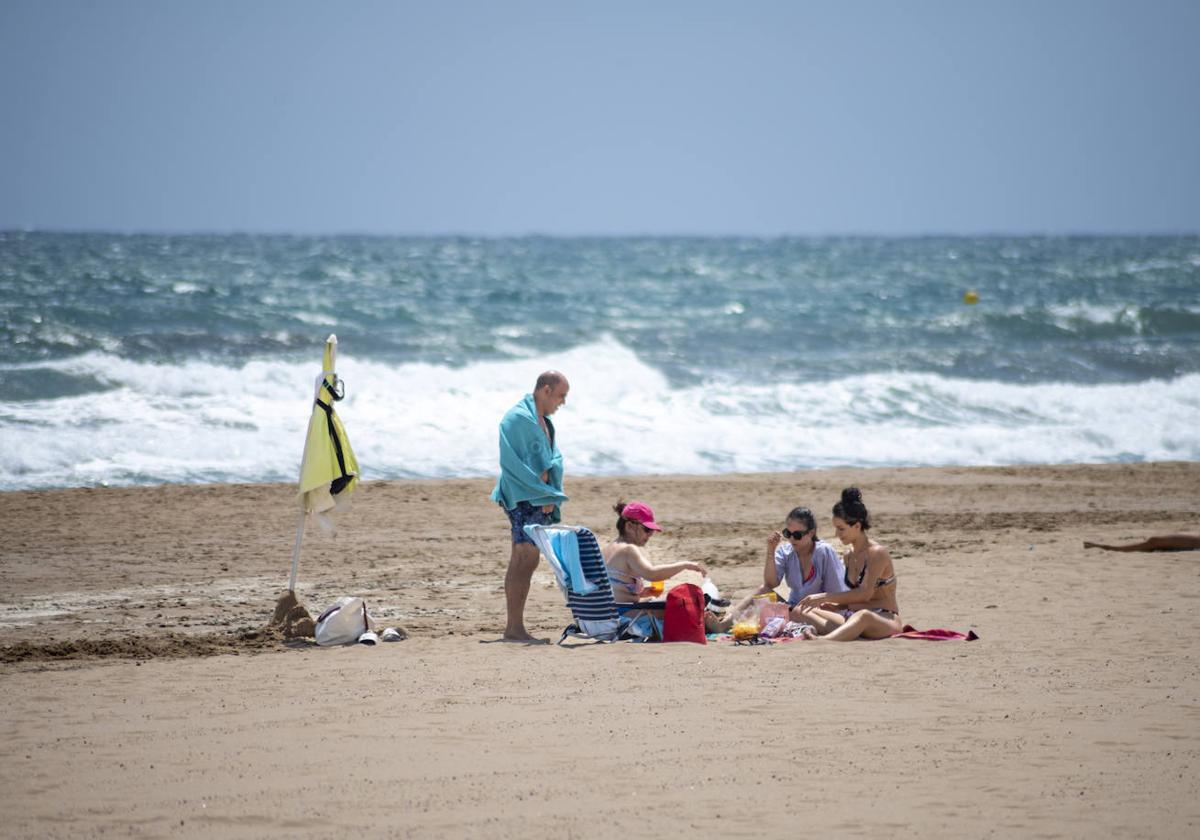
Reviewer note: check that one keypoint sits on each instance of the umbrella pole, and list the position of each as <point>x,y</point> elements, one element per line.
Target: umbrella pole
<point>296,552</point>
<point>331,348</point>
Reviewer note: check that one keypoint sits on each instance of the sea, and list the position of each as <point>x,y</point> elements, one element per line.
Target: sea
<point>131,359</point>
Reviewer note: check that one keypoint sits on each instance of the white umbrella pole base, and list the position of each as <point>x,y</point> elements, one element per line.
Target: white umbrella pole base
<point>296,552</point>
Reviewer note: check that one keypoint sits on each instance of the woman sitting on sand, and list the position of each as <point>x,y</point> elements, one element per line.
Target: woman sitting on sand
<point>868,606</point>
<point>630,571</point>
<point>809,566</point>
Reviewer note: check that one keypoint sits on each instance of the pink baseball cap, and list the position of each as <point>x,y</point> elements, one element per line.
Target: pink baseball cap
<point>640,512</point>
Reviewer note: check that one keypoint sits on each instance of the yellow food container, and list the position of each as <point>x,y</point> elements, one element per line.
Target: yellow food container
<point>745,630</point>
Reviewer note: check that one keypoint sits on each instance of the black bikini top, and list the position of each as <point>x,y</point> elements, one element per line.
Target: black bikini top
<point>862,576</point>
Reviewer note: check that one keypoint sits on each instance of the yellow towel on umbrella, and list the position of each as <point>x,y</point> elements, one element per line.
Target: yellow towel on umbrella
<point>329,470</point>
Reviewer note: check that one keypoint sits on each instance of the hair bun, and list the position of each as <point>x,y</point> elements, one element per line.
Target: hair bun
<point>852,496</point>
<point>619,507</point>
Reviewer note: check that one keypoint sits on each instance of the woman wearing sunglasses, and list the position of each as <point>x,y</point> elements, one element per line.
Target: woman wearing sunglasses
<point>868,600</point>
<point>628,569</point>
<point>809,565</point>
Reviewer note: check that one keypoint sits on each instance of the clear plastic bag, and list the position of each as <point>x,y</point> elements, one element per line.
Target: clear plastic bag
<point>768,611</point>
<point>765,615</point>
<point>745,621</point>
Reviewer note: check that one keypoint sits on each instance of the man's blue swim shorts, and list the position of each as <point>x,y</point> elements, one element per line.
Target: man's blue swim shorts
<point>525,514</point>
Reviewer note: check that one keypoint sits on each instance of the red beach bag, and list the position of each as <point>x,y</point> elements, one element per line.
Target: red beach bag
<point>683,618</point>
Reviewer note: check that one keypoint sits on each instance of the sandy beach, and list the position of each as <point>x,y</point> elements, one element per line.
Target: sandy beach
<point>142,696</point>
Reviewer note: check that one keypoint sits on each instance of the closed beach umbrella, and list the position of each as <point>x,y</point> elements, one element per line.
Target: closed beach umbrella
<point>328,470</point>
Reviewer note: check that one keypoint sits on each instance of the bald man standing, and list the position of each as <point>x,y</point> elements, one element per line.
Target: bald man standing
<point>529,488</point>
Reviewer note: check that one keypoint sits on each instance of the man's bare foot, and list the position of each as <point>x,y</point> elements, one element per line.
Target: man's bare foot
<point>515,640</point>
<point>521,637</point>
<point>505,640</point>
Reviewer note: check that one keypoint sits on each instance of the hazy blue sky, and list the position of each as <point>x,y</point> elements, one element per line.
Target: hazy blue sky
<point>602,117</point>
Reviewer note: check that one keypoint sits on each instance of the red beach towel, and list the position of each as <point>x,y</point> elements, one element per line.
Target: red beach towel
<point>936,635</point>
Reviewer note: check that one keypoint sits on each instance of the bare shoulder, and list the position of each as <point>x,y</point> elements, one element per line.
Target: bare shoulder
<point>616,552</point>
<point>629,552</point>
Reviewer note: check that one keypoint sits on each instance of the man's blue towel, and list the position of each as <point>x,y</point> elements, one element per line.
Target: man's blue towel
<point>524,455</point>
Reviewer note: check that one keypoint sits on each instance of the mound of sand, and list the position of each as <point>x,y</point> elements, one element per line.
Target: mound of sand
<point>291,618</point>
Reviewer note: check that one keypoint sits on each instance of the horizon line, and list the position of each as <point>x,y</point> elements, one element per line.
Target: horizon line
<point>199,232</point>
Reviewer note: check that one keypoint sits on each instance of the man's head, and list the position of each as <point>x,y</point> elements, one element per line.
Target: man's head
<point>550,392</point>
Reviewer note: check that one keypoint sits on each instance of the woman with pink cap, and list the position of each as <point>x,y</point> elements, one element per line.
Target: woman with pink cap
<point>628,568</point>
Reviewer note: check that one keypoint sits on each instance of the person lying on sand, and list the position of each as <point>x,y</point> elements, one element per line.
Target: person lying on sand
<point>631,572</point>
<point>808,564</point>
<point>868,607</point>
<point>1171,542</point>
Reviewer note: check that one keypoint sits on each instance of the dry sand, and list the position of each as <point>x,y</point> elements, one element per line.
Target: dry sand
<point>141,696</point>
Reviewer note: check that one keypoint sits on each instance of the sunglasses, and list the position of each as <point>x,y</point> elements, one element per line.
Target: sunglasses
<point>795,535</point>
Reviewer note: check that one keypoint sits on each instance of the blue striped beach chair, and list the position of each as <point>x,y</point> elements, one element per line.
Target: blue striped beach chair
<point>584,581</point>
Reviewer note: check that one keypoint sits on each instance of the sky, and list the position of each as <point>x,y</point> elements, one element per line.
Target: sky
<point>601,118</point>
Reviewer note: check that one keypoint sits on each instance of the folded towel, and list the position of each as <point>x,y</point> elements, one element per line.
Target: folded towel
<point>566,548</point>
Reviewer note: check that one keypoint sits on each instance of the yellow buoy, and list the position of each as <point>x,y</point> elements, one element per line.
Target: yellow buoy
<point>970,296</point>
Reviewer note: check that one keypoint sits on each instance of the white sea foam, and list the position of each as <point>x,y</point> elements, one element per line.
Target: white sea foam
<point>1092,313</point>
<point>203,422</point>
<point>1070,316</point>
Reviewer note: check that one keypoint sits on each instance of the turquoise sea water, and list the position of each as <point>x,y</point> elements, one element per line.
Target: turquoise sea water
<point>142,359</point>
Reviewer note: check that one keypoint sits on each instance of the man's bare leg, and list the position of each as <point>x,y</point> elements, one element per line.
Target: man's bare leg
<point>521,563</point>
